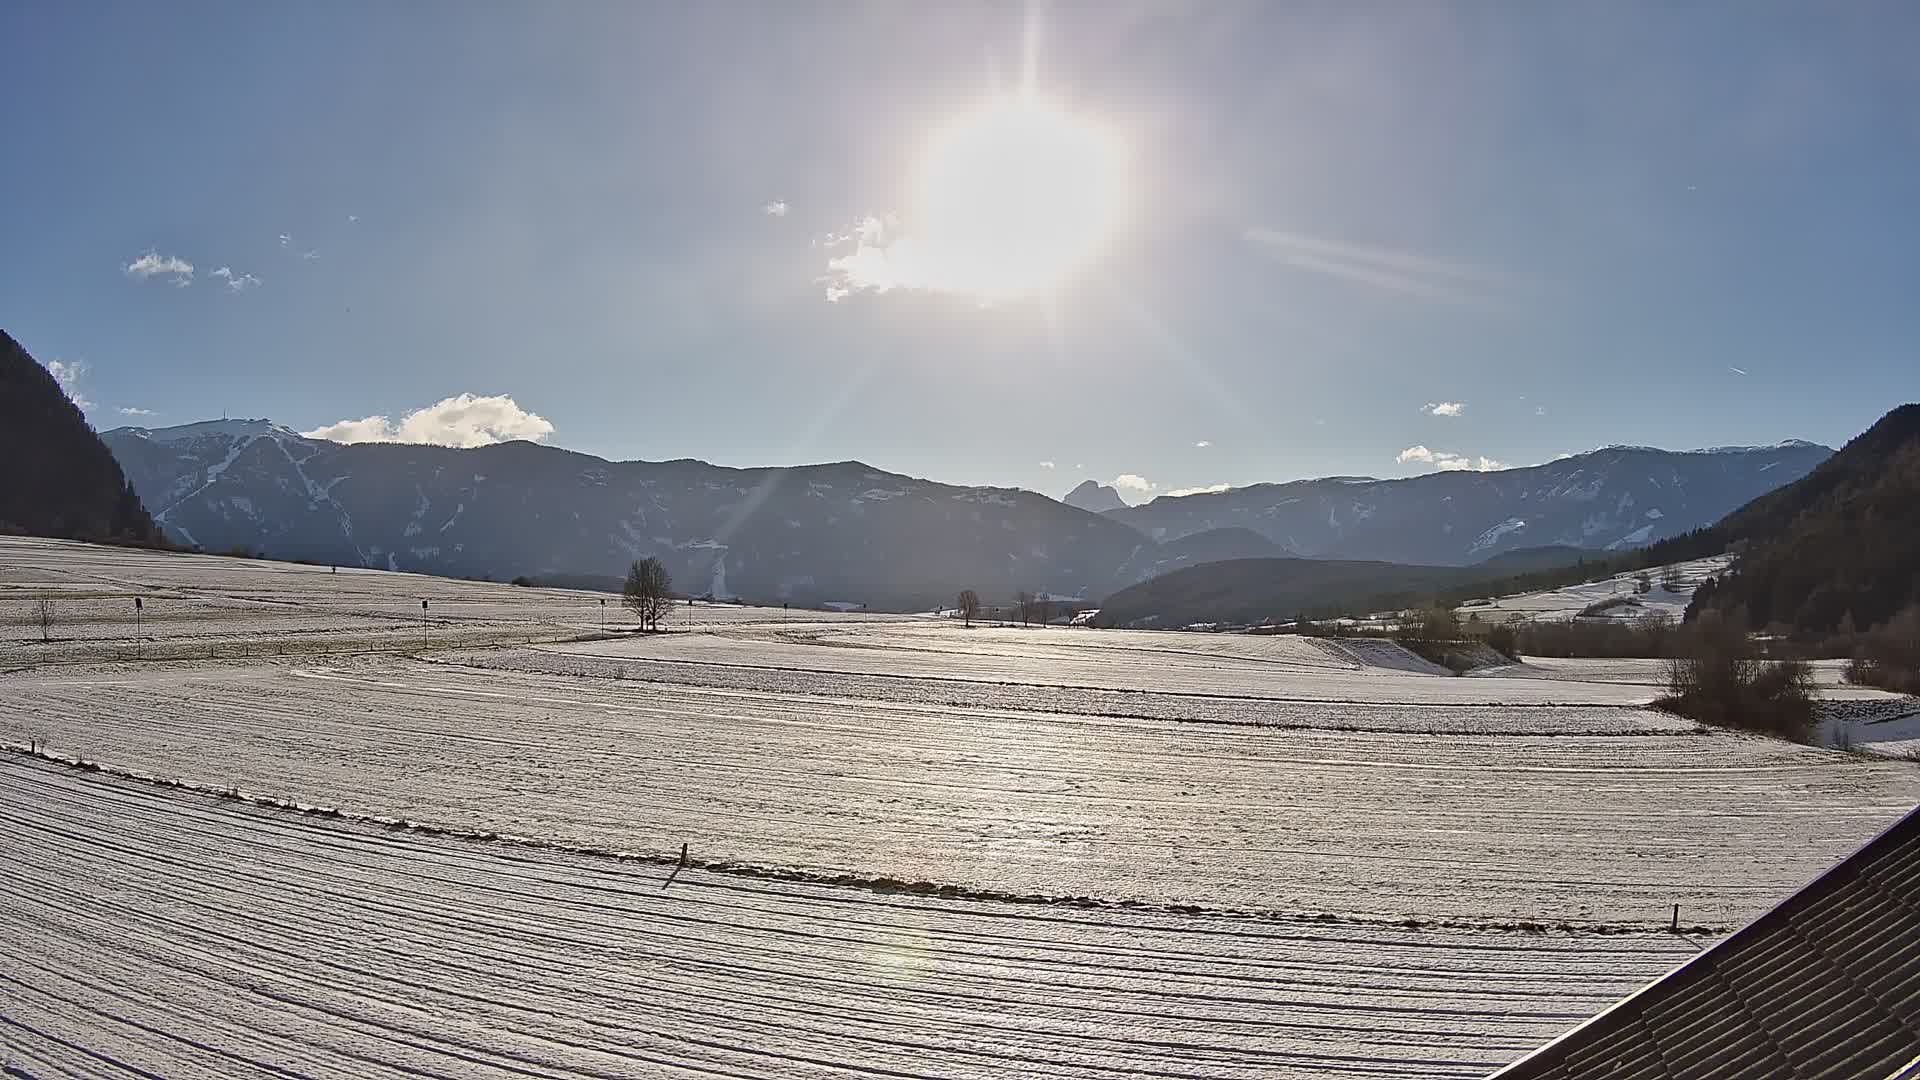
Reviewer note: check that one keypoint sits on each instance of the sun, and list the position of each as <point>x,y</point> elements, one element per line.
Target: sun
<point>1013,198</point>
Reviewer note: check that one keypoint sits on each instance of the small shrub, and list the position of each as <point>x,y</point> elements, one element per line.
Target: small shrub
<point>1505,640</point>
<point>1888,656</point>
<point>1717,679</point>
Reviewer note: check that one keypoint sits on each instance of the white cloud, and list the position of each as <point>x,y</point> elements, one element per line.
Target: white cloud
<point>134,410</point>
<point>353,219</point>
<point>1135,483</point>
<point>285,239</point>
<point>371,429</point>
<point>776,208</point>
<point>465,420</point>
<point>236,282</point>
<point>68,374</point>
<point>310,254</point>
<point>1444,408</point>
<point>1735,370</point>
<point>1210,489</point>
<point>1539,410</point>
<point>1447,461</point>
<point>1203,444</point>
<point>1046,464</point>
<point>172,267</point>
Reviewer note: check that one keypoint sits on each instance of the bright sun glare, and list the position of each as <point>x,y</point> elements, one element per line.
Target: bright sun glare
<point>1015,197</point>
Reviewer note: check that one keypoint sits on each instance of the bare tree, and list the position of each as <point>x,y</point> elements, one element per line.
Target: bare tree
<point>648,592</point>
<point>43,609</point>
<point>1024,601</point>
<point>969,605</point>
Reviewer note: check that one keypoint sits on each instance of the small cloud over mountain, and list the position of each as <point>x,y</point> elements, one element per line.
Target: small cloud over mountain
<point>464,421</point>
<point>1447,461</point>
<point>68,374</point>
<point>1210,489</point>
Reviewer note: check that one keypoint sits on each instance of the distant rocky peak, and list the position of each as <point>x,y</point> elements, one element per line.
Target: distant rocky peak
<point>1095,497</point>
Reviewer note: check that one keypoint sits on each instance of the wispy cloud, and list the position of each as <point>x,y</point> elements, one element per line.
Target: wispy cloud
<point>134,410</point>
<point>1539,410</point>
<point>1203,444</point>
<point>169,267</point>
<point>310,254</point>
<point>1046,464</point>
<point>1736,371</point>
<point>285,240</point>
<point>1210,489</point>
<point>1135,483</point>
<point>353,219</point>
<point>236,282</point>
<point>1405,272</point>
<point>1444,408</point>
<point>466,420</point>
<point>68,374</point>
<point>776,208</point>
<point>1447,461</point>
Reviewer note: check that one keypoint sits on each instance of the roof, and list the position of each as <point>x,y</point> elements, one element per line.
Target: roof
<point>1827,984</point>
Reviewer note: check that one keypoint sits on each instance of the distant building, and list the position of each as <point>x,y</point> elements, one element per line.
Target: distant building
<point>1827,984</point>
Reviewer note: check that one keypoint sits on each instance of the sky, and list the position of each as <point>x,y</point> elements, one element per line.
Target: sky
<point>1307,239</point>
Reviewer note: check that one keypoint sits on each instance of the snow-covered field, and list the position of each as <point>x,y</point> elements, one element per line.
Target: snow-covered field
<point>917,850</point>
<point>159,933</point>
<point>201,605</point>
<point>1566,603</point>
<point>1285,668</point>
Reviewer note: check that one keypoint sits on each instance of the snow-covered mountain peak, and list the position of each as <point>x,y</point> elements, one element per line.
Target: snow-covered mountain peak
<point>231,429</point>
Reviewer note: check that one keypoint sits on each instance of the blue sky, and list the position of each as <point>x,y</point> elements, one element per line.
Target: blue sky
<point>1580,223</point>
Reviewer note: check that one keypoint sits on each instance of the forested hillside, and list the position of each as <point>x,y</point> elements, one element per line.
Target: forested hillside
<point>59,479</point>
<point>1836,550</point>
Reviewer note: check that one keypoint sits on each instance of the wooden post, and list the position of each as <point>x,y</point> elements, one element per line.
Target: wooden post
<point>682,865</point>
<point>1676,918</point>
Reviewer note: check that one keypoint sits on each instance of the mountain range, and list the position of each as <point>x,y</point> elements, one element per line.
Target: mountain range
<point>848,531</point>
<point>1614,498</point>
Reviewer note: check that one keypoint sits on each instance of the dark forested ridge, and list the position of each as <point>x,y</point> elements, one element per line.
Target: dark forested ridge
<point>1273,589</point>
<point>1837,549</point>
<point>59,479</point>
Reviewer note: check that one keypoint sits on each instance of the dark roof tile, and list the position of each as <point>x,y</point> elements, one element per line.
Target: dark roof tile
<point>1826,985</point>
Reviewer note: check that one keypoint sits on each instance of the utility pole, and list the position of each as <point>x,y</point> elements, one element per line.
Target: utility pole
<point>423,624</point>
<point>136,627</point>
<point>603,615</point>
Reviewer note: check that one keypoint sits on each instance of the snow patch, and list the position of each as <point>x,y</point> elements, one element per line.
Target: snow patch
<point>1492,536</point>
